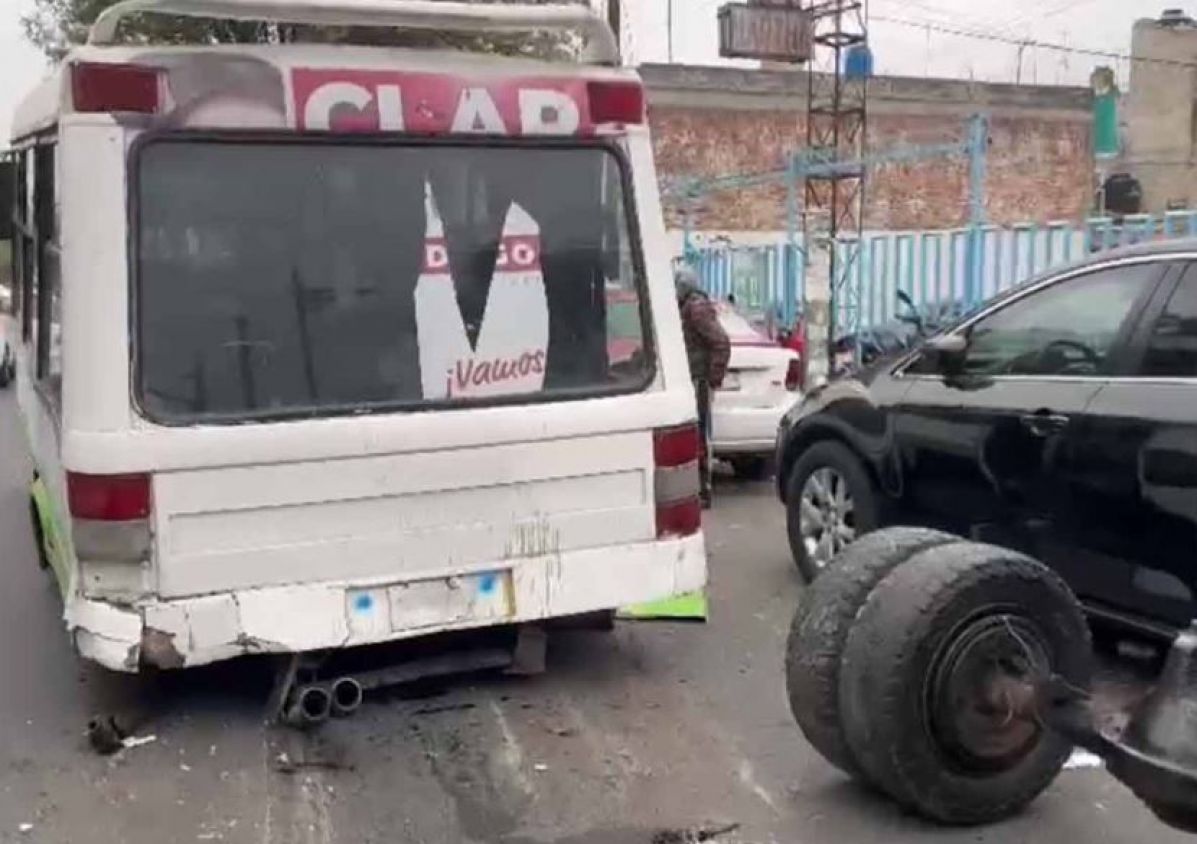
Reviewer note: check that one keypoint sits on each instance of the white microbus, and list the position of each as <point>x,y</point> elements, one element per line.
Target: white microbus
<point>314,347</point>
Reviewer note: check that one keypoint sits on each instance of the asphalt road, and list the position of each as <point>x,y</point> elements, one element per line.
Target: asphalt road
<point>652,727</point>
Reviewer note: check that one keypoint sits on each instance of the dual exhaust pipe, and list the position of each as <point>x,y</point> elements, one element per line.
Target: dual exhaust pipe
<point>314,703</point>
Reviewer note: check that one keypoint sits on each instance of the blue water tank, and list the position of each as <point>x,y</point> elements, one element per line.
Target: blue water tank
<point>858,62</point>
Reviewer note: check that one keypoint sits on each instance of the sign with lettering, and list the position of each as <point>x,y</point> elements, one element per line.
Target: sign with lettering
<point>775,30</point>
<point>434,104</point>
<point>510,352</point>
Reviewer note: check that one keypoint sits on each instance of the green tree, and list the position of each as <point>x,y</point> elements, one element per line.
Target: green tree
<point>54,26</point>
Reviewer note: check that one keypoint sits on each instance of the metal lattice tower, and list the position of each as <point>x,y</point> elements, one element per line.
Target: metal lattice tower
<point>836,129</point>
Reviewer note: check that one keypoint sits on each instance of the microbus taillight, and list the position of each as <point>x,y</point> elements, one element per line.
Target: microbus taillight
<point>110,532</point>
<point>794,375</point>
<point>108,498</point>
<point>676,452</point>
<point>97,87</point>
<point>616,102</point>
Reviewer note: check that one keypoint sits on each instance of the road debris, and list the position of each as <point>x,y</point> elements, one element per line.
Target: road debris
<point>105,735</point>
<point>693,836</point>
<point>1083,759</point>
<point>284,764</point>
<point>447,707</point>
<point>138,741</point>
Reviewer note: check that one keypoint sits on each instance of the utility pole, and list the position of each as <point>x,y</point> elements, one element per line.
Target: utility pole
<point>669,27</point>
<point>833,196</point>
<point>615,20</point>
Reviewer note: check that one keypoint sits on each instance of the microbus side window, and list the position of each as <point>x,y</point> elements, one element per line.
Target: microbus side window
<point>37,259</point>
<point>22,243</point>
<point>49,307</point>
<point>8,230</point>
<point>277,278</point>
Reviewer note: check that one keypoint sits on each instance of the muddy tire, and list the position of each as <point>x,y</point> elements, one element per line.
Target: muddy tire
<point>836,458</point>
<point>8,366</point>
<point>924,709</point>
<point>821,625</point>
<point>39,537</point>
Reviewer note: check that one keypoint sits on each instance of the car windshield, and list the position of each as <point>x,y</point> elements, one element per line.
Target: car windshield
<point>276,279</point>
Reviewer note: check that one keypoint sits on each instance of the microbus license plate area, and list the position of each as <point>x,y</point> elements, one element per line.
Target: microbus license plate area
<point>432,603</point>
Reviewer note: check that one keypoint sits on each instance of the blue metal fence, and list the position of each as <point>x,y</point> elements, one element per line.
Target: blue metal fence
<point>930,266</point>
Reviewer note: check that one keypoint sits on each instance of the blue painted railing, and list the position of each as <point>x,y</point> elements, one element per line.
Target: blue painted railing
<point>931,266</point>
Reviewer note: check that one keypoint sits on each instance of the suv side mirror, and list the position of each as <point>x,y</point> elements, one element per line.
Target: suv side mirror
<point>947,353</point>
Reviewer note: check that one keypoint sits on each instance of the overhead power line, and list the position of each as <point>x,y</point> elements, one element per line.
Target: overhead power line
<point>1030,42</point>
<point>950,16</point>
<point>1065,6</point>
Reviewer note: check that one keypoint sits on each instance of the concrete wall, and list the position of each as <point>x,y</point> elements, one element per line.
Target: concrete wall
<point>720,121</point>
<point>1161,123</point>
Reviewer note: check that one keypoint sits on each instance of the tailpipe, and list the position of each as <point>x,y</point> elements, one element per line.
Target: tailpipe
<point>310,707</point>
<point>346,696</point>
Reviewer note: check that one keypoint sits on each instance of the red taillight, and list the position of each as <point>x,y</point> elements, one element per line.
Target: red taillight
<point>681,519</point>
<point>616,102</point>
<point>674,447</point>
<point>115,87</point>
<point>676,452</point>
<point>794,374</point>
<point>108,498</point>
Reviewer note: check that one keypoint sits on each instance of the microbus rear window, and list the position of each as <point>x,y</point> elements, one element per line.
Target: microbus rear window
<point>289,278</point>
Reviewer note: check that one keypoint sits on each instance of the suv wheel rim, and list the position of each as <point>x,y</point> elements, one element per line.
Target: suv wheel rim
<point>826,515</point>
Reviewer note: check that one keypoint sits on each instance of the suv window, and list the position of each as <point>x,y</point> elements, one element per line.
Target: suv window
<point>1069,328</point>
<point>1172,348</point>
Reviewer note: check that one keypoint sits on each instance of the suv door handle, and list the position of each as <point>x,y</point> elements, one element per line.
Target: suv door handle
<point>1044,424</point>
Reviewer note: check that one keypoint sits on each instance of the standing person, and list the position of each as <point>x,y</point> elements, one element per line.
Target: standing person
<point>707,349</point>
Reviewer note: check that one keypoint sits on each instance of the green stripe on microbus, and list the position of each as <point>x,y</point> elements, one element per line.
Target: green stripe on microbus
<point>691,607</point>
<point>52,529</point>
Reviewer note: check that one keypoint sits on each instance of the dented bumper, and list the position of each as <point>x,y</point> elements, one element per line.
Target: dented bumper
<point>288,619</point>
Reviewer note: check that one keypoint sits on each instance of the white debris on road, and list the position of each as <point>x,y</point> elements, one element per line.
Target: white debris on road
<point>137,741</point>
<point>1083,759</point>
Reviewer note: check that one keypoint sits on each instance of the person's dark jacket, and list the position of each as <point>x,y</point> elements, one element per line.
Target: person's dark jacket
<point>707,346</point>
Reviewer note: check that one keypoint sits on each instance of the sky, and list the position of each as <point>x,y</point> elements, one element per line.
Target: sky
<point>914,47</point>
<point>21,66</point>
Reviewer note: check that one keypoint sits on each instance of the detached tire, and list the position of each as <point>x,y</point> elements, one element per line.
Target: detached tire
<point>829,459</point>
<point>820,629</point>
<point>924,709</point>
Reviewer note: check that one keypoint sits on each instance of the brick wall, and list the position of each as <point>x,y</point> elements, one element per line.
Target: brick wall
<point>715,121</point>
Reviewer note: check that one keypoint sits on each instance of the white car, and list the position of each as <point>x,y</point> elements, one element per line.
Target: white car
<point>763,382</point>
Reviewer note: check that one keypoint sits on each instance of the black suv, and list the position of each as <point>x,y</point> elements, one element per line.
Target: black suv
<point>1059,419</point>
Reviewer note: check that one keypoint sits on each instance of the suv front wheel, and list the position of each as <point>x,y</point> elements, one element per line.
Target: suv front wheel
<point>830,501</point>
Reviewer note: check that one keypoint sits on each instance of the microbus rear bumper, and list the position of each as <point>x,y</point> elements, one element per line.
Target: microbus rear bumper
<point>287,619</point>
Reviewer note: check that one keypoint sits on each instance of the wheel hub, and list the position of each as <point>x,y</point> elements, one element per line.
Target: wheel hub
<point>980,691</point>
<point>827,517</point>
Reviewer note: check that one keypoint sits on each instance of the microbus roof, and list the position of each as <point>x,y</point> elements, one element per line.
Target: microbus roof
<point>40,109</point>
